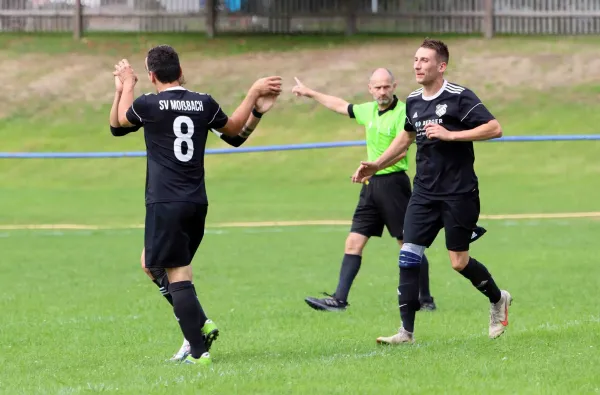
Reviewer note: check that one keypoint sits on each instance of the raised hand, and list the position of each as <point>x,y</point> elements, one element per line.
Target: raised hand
<point>264,103</point>
<point>300,89</point>
<point>118,84</point>
<point>267,86</point>
<point>124,72</point>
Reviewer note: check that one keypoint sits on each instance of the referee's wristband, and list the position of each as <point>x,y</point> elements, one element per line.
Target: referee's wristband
<point>256,113</point>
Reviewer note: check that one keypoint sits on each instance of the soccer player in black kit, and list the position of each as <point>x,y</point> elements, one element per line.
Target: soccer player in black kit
<point>176,124</point>
<point>159,275</point>
<point>444,119</point>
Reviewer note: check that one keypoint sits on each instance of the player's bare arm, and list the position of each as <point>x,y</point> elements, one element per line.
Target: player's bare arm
<point>262,87</point>
<point>487,131</point>
<point>263,105</point>
<point>114,110</point>
<point>396,151</point>
<point>115,126</point>
<point>128,78</point>
<point>331,102</point>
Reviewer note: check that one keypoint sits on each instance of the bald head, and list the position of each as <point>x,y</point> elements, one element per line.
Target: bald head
<point>381,74</point>
<point>382,85</point>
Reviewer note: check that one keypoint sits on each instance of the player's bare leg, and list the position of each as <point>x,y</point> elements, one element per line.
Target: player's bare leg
<point>477,273</point>
<point>355,244</point>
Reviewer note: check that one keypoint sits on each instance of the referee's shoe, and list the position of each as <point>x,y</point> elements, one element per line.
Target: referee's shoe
<point>331,303</point>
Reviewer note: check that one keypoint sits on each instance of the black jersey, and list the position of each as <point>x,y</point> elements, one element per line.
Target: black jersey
<point>176,124</point>
<point>445,168</point>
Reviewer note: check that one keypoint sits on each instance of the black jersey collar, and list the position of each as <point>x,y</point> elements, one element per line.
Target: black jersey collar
<point>175,88</point>
<point>390,108</point>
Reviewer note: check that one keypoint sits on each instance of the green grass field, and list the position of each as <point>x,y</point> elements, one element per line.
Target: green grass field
<point>79,316</point>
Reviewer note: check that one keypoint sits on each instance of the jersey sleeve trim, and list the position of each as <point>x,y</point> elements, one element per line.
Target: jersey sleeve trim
<point>136,114</point>
<point>468,112</point>
<point>351,111</point>
<point>214,116</point>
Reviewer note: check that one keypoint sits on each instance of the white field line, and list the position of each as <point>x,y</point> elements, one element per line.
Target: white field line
<point>286,223</point>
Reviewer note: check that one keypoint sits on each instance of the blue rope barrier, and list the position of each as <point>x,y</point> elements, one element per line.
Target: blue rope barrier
<point>268,148</point>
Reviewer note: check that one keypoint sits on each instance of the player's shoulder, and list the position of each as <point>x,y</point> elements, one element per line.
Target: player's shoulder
<point>145,98</point>
<point>199,95</point>
<point>456,89</point>
<point>414,95</point>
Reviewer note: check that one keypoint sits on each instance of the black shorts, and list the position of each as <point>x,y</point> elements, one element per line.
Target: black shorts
<point>382,203</point>
<point>173,233</point>
<point>458,216</point>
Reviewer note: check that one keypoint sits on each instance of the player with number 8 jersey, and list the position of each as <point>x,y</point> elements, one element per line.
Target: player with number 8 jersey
<point>176,124</point>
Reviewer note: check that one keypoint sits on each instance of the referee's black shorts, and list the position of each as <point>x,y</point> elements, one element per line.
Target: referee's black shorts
<point>173,233</point>
<point>382,203</point>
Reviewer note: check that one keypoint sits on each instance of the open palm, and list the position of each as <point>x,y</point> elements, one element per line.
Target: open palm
<point>264,103</point>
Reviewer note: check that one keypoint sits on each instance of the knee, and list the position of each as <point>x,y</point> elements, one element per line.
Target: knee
<point>355,244</point>
<point>410,256</point>
<point>144,268</point>
<point>459,260</point>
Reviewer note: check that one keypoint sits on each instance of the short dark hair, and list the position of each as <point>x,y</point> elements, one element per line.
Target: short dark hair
<point>163,61</point>
<point>441,50</point>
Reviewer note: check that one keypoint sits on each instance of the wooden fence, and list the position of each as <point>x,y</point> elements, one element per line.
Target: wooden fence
<point>486,17</point>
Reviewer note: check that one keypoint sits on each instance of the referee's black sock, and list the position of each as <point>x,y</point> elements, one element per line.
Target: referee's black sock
<point>190,315</point>
<point>482,280</point>
<point>349,270</point>
<point>424,293</point>
<point>408,296</point>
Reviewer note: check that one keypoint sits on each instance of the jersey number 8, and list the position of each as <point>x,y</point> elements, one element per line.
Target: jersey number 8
<point>183,138</point>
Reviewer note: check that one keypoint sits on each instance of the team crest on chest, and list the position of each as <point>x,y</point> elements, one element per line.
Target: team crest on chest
<point>440,109</point>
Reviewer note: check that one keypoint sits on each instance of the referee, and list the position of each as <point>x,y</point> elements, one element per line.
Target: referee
<point>384,198</point>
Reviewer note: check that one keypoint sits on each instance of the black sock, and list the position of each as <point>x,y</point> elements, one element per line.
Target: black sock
<point>190,315</point>
<point>424,293</point>
<point>408,296</point>
<point>482,280</point>
<point>348,271</point>
<point>164,289</point>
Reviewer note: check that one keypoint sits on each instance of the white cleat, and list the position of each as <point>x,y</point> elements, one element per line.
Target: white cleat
<point>499,315</point>
<point>183,352</point>
<point>403,336</point>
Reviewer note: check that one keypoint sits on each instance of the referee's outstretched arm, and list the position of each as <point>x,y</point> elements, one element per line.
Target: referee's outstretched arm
<point>331,102</point>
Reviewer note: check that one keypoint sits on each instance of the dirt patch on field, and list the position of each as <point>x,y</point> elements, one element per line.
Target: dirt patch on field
<point>42,82</point>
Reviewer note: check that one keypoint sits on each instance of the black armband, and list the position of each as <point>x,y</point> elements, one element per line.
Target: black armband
<point>234,141</point>
<point>256,113</point>
<point>122,131</point>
